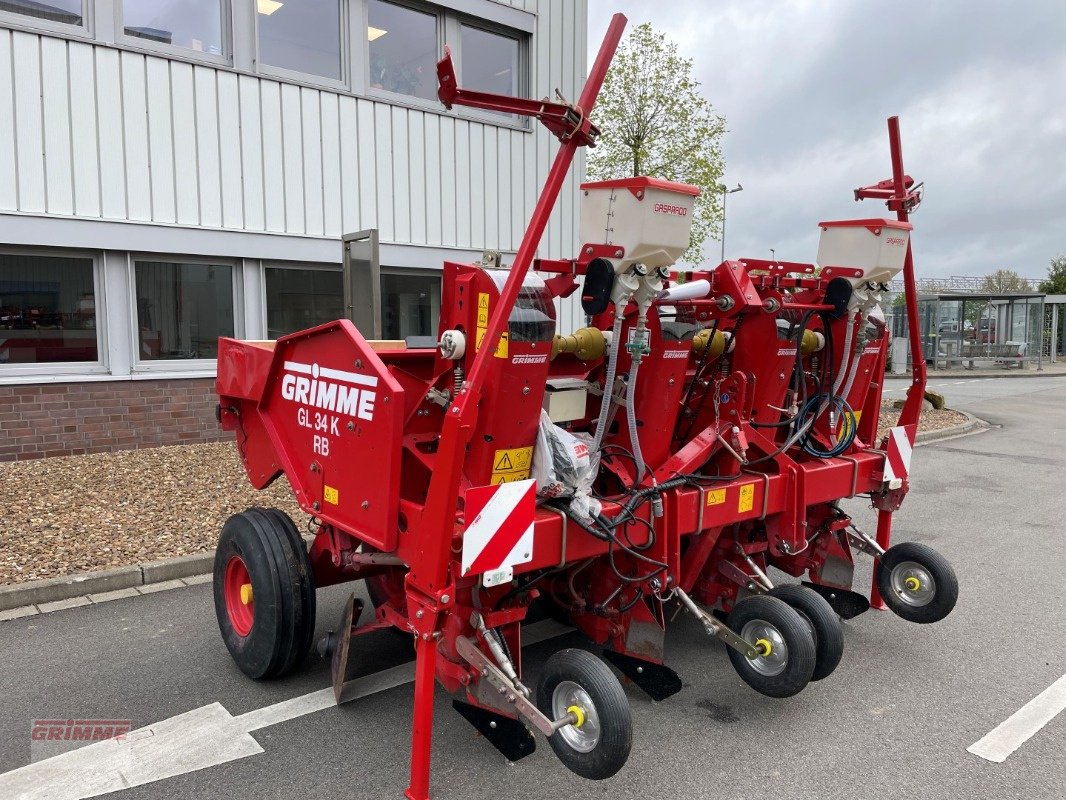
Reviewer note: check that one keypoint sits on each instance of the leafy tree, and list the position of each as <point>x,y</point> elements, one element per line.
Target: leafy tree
<point>1055,283</point>
<point>654,121</point>
<point>1004,281</point>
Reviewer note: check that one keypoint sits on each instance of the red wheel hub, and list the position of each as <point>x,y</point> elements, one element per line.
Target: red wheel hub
<point>237,588</point>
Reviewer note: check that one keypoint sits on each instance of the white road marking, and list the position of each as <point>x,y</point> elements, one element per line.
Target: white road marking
<point>188,742</point>
<point>1020,726</point>
<point>201,738</point>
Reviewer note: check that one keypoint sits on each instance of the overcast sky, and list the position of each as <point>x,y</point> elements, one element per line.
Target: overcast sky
<point>806,87</point>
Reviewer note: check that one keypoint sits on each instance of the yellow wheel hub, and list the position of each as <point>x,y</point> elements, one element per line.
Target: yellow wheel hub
<point>764,647</point>
<point>579,715</point>
<point>246,593</point>
<point>913,584</point>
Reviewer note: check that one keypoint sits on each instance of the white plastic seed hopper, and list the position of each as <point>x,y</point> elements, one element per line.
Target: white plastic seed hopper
<point>648,219</point>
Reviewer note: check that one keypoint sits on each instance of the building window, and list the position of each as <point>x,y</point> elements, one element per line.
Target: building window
<point>190,24</point>
<point>404,47</point>
<point>65,12</point>
<point>491,61</point>
<point>47,310</point>
<point>303,36</point>
<point>182,309</point>
<point>297,299</point>
<point>410,304</point>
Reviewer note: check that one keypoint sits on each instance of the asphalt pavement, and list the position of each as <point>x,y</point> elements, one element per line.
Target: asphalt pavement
<point>894,720</point>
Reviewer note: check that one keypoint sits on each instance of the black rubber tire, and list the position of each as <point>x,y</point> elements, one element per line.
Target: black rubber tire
<point>612,708</point>
<point>947,584</point>
<point>283,623</point>
<point>799,666</point>
<point>824,623</point>
<point>306,582</point>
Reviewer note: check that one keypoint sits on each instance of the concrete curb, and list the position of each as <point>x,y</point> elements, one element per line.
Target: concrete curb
<point>85,588</point>
<point>973,375</point>
<point>971,425</point>
<point>111,581</point>
<point>170,569</point>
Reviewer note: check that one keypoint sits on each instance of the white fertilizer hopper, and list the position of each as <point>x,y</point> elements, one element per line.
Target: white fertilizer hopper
<point>875,246</point>
<point>648,219</point>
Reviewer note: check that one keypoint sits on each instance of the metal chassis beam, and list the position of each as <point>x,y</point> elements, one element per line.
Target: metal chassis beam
<point>428,580</point>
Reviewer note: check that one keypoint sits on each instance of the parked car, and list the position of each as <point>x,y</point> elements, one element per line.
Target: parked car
<point>984,332</point>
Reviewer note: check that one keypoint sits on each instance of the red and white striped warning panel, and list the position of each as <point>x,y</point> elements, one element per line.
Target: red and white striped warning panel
<point>500,532</point>
<point>898,454</point>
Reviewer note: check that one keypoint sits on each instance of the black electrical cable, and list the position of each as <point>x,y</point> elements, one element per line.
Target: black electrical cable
<point>623,451</point>
<point>612,542</point>
<point>629,540</point>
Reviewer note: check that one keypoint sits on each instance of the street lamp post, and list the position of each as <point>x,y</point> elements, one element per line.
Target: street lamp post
<point>725,192</point>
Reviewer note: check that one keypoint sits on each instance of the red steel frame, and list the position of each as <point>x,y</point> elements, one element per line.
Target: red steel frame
<point>427,579</point>
<point>778,503</point>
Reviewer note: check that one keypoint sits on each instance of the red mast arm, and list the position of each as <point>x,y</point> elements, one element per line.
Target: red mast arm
<point>429,570</point>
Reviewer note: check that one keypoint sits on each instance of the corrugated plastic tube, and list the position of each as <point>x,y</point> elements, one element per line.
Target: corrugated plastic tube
<point>608,384</point>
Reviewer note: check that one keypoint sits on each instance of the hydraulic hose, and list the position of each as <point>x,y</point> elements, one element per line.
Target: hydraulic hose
<point>608,384</point>
<point>849,365</point>
<point>852,373</point>
<point>841,407</point>
<point>631,416</point>
<point>846,358</point>
<point>856,358</point>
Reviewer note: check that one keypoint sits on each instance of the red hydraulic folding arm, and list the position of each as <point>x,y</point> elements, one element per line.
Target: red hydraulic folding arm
<point>564,120</point>
<point>902,196</point>
<point>427,581</point>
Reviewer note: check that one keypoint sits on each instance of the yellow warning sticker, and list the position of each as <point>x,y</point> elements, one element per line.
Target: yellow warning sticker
<point>511,465</point>
<point>507,477</point>
<point>716,497</point>
<point>747,498</point>
<point>515,458</point>
<point>501,348</point>
<point>331,495</point>
<point>482,319</point>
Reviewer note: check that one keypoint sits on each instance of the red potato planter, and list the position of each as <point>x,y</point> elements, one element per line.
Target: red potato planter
<point>692,436</point>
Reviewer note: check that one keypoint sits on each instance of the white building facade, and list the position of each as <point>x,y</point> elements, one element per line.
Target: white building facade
<point>176,170</point>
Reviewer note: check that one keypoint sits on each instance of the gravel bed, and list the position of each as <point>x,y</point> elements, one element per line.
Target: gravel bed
<point>931,420</point>
<point>83,513</point>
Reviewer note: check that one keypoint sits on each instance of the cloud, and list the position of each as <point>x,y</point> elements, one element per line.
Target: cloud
<point>980,89</point>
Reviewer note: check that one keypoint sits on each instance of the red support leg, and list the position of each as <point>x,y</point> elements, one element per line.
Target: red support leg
<point>422,727</point>
<point>884,538</point>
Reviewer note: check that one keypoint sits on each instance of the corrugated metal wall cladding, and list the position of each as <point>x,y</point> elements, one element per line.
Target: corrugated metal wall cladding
<point>97,132</point>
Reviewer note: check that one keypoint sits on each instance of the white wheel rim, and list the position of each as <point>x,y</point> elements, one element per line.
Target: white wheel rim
<point>913,584</point>
<point>585,738</point>
<point>759,632</point>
